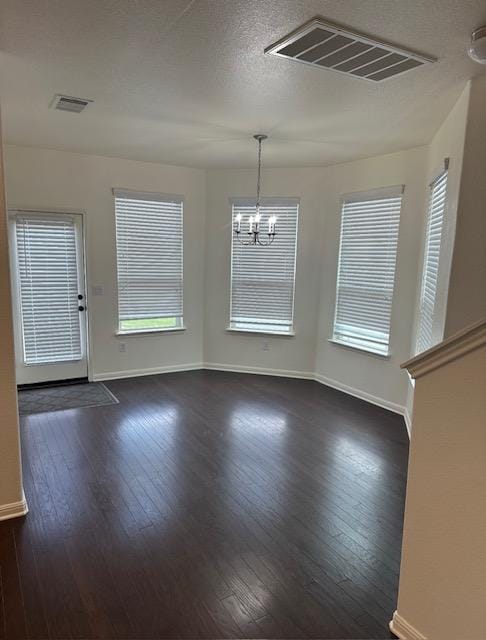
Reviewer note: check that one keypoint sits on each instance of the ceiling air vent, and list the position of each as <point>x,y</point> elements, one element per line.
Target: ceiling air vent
<point>69,103</point>
<point>329,46</point>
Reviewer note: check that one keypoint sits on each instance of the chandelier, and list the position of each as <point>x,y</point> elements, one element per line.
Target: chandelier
<point>259,232</point>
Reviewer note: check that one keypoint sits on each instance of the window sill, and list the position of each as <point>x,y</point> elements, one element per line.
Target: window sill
<point>347,345</point>
<point>141,332</point>
<point>263,332</point>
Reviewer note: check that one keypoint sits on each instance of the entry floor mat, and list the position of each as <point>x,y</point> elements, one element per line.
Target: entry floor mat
<point>61,397</point>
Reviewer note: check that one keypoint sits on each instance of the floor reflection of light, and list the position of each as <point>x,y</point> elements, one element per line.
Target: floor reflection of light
<point>149,415</point>
<point>257,417</point>
<point>257,453</point>
<point>149,437</point>
<point>358,457</point>
<point>354,475</point>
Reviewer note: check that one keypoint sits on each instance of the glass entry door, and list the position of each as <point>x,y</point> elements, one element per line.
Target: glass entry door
<point>48,287</point>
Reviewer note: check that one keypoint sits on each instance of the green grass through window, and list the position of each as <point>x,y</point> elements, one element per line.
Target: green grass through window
<point>148,323</point>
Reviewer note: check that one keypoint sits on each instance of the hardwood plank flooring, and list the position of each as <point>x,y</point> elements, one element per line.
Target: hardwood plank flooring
<point>208,505</point>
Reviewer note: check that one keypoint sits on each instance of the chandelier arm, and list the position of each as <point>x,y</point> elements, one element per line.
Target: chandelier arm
<point>243,243</point>
<point>268,242</point>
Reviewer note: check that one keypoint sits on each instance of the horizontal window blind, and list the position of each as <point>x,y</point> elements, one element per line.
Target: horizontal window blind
<point>49,287</point>
<point>366,269</point>
<point>262,278</point>
<point>426,334</point>
<point>149,237</point>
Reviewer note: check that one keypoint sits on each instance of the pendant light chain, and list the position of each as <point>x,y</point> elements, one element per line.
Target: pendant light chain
<point>259,179</point>
<point>254,233</point>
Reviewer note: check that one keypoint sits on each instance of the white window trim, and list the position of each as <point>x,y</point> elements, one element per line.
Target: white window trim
<point>445,257</point>
<point>447,244</point>
<point>267,201</point>
<point>355,347</point>
<point>136,332</point>
<point>121,192</point>
<point>356,196</point>
<point>262,332</point>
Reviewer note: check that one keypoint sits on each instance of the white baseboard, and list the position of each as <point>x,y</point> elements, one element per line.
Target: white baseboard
<point>307,375</point>
<point>362,395</point>
<point>14,509</point>
<point>281,373</point>
<point>403,629</point>
<point>135,373</point>
<point>408,421</point>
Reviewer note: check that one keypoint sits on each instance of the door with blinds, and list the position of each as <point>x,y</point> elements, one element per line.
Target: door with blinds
<point>48,288</point>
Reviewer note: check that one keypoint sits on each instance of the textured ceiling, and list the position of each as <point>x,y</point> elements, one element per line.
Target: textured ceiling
<point>187,83</point>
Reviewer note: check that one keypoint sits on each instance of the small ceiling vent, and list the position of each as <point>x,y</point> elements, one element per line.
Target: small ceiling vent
<point>69,103</point>
<point>329,46</point>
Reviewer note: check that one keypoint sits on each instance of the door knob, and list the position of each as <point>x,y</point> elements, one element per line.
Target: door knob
<point>80,308</point>
<point>80,296</point>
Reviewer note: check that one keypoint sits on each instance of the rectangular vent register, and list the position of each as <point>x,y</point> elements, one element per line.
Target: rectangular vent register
<point>331,47</point>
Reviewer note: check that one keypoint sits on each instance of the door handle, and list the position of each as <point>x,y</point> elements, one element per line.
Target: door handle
<point>80,308</point>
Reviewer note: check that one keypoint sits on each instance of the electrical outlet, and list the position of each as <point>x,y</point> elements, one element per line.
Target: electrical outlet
<point>97,290</point>
<point>266,346</point>
<point>122,347</point>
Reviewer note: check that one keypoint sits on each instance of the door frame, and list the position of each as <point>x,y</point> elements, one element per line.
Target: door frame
<point>13,211</point>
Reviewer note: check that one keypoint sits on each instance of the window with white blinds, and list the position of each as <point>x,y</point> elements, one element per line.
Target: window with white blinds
<point>48,283</point>
<point>263,278</point>
<point>427,332</point>
<point>366,269</point>
<point>149,239</point>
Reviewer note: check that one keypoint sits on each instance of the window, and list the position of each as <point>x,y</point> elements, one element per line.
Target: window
<point>428,332</point>
<point>262,278</point>
<point>49,283</point>
<point>149,261</point>
<point>366,269</point>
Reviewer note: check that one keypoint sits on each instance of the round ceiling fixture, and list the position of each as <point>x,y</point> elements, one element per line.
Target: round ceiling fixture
<point>477,48</point>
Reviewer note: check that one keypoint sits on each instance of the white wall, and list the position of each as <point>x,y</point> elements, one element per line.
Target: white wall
<point>297,353</point>
<point>467,290</point>
<point>442,591</point>
<point>448,142</point>
<point>12,501</point>
<point>319,190</point>
<point>45,178</point>
<point>376,377</point>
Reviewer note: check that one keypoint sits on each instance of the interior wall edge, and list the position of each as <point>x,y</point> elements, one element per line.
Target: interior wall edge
<point>403,629</point>
<point>361,395</point>
<point>465,305</point>
<point>11,488</point>
<point>279,373</point>
<point>408,421</point>
<point>14,509</point>
<point>151,371</point>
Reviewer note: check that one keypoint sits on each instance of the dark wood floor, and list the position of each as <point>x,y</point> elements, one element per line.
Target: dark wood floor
<point>208,505</point>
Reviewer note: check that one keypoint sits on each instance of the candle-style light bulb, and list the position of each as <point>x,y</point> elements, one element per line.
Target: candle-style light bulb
<point>272,221</point>
<point>238,223</point>
<point>251,222</point>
